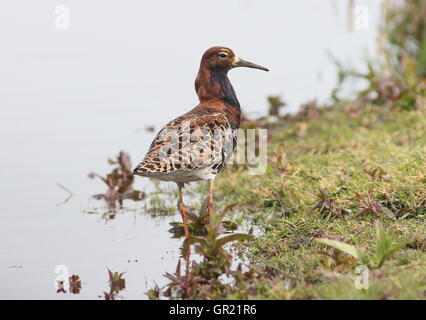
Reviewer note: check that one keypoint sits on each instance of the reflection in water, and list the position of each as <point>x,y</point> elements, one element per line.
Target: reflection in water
<point>70,194</point>
<point>205,278</point>
<point>116,284</point>
<point>74,285</point>
<point>205,257</point>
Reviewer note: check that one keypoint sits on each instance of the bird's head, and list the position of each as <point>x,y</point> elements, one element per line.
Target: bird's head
<point>224,59</point>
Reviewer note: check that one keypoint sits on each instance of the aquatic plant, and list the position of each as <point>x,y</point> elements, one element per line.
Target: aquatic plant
<point>198,223</point>
<point>73,285</point>
<point>116,284</point>
<point>202,280</point>
<point>119,182</point>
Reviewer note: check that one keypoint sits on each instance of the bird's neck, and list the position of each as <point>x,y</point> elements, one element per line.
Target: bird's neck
<point>215,85</point>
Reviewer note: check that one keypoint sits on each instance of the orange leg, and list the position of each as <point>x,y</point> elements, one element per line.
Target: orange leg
<point>182,210</point>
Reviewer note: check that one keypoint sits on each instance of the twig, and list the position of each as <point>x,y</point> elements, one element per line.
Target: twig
<point>70,194</point>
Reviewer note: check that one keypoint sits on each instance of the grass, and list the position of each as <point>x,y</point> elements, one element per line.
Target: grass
<point>331,176</point>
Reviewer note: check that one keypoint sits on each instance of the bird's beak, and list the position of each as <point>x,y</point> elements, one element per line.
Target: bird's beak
<point>238,62</point>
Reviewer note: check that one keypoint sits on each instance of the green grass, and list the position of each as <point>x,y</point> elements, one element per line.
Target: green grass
<point>348,153</point>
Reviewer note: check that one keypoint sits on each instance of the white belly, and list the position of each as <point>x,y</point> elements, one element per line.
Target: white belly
<point>185,176</point>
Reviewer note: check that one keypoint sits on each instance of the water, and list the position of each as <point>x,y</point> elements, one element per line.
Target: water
<point>71,99</point>
<point>38,232</point>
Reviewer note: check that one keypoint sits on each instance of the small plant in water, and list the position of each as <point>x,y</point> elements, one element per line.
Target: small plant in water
<point>119,182</point>
<point>197,224</point>
<point>203,280</point>
<point>116,284</point>
<point>74,285</point>
<point>211,245</point>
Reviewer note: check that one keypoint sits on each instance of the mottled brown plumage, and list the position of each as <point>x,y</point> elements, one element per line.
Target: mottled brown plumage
<point>197,145</point>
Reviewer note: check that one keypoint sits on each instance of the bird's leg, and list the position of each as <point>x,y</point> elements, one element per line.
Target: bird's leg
<point>210,200</point>
<point>182,210</point>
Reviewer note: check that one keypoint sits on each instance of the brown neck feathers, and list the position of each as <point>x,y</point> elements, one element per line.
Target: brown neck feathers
<point>215,85</point>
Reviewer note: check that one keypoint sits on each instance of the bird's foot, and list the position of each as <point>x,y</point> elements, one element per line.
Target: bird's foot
<point>183,211</point>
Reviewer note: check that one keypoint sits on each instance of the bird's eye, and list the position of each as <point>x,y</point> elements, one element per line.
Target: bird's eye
<point>223,55</point>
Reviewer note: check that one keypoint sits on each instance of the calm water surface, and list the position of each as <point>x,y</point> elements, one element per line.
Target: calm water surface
<point>39,232</point>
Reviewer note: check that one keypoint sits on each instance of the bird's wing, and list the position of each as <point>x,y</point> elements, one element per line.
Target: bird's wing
<point>189,143</point>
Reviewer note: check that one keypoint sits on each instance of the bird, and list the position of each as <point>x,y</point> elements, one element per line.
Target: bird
<point>198,144</point>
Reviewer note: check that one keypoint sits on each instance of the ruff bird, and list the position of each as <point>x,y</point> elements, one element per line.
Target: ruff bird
<point>198,144</point>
